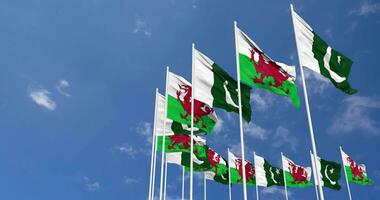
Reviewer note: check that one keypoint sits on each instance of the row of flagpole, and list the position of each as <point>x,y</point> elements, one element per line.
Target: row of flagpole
<point>163,178</point>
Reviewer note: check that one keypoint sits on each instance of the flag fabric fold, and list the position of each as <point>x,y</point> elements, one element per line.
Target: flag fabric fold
<point>315,54</point>
<point>356,173</point>
<point>329,172</point>
<point>259,70</point>
<point>266,174</point>
<point>217,88</point>
<point>296,175</point>
<point>236,168</point>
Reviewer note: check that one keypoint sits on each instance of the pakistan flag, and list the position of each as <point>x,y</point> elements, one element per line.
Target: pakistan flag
<point>266,174</point>
<point>179,105</point>
<point>315,54</point>
<point>329,172</point>
<point>216,88</point>
<point>258,70</point>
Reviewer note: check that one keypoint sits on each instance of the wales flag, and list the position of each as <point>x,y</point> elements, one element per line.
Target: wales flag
<point>296,175</point>
<point>216,88</point>
<point>259,70</point>
<point>236,167</point>
<point>356,173</point>
<point>179,105</point>
<point>266,174</point>
<point>329,172</point>
<point>317,55</point>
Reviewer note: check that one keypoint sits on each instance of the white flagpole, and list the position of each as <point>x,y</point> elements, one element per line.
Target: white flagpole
<point>345,174</point>
<point>183,183</point>
<point>164,133</point>
<point>314,148</point>
<point>166,176</point>
<point>257,188</point>
<point>283,172</point>
<point>315,170</point>
<point>154,166</point>
<point>192,121</point>
<point>229,175</point>
<point>151,185</point>
<point>240,113</point>
<point>204,187</point>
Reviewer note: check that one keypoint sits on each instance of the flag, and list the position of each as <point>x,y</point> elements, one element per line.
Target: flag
<point>356,173</point>
<point>258,70</point>
<point>296,175</point>
<point>179,105</point>
<point>315,54</point>
<point>236,168</point>
<point>266,174</point>
<point>178,143</point>
<point>329,172</point>
<point>216,88</point>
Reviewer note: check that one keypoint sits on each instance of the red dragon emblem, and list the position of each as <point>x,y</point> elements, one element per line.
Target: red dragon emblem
<point>268,68</point>
<point>179,139</point>
<point>249,170</point>
<point>214,159</point>
<point>298,173</point>
<point>357,170</point>
<point>200,109</point>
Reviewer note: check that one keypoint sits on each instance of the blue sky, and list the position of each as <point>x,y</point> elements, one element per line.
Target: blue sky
<point>78,78</point>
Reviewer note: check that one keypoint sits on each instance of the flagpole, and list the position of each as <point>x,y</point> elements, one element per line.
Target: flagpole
<point>164,134</point>
<point>192,121</point>
<point>166,176</point>
<point>315,170</point>
<point>345,174</point>
<point>283,172</point>
<point>240,114</point>
<point>229,175</point>
<point>257,188</point>
<point>204,187</point>
<point>314,148</point>
<point>154,165</point>
<point>183,183</point>
<point>153,146</point>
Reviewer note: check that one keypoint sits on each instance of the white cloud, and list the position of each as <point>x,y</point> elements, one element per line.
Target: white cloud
<point>127,149</point>
<point>274,191</point>
<point>316,83</point>
<point>218,126</point>
<point>91,185</point>
<point>129,180</point>
<point>356,115</point>
<point>283,137</point>
<point>145,129</point>
<point>142,28</point>
<point>366,8</point>
<point>62,84</point>
<point>261,100</point>
<point>41,97</point>
<point>255,131</point>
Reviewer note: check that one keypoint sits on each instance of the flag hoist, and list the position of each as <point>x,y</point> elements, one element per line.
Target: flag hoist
<point>314,148</point>
<point>153,153</point>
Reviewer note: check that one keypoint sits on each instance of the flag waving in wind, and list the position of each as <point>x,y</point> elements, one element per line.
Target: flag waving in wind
<point>296,175</point>
<point>258,70</point>
<point>329,172</point>
<point>179,105</point>
<point>215,87</point>
<point>356,173</point>
<point>315,54</point>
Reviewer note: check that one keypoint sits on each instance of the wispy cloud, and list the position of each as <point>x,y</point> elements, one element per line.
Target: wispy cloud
<point>91,185</point>
<point>42,98</point>
<point>145,129</point>
<point>141,27</point>
<point>130,180</point>
<point>283,137</point>
<point>218,126</point>
<point>329,33</point>
<point>355,114</point>
<point>127,149</point>
<point>255,131</point>
<point>62,85</point>
<point>316,83</point>
<point>274,191</point>
<point>261,100</point>
<point>366,8</point>
<point>194,4</point>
